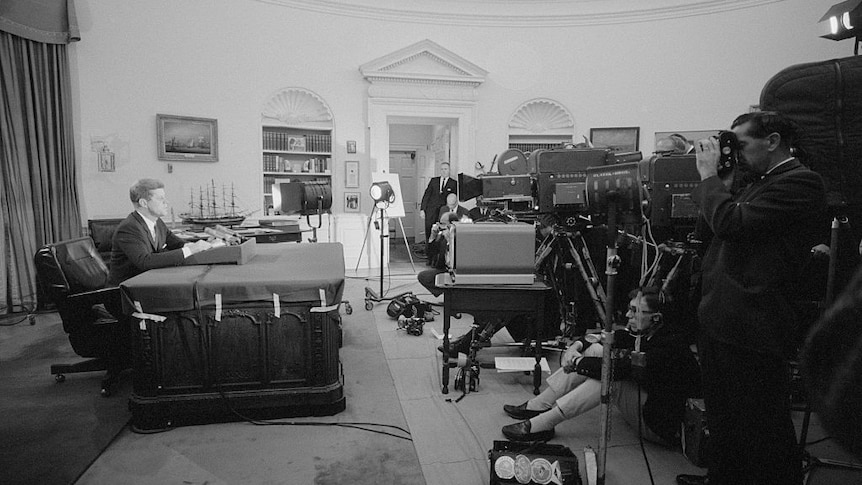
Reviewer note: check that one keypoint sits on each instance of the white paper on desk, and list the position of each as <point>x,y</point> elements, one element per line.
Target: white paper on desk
<point>438,336</point>
<point>519,364</point>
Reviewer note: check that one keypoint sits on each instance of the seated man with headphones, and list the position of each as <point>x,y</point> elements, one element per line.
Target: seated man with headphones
<point>665,373</point>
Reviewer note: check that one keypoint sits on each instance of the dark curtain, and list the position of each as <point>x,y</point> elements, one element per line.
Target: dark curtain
<point>38,188</point>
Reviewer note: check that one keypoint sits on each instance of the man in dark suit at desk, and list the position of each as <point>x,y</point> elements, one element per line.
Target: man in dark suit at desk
<point>435,197</point>
<point>143,241</point>
<point>453,207</point>
<point>481,212</point>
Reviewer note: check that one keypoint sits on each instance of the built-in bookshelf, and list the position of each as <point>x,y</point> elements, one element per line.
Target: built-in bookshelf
<point>295,153</point>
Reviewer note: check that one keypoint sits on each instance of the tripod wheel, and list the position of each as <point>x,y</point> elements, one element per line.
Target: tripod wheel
<point>369,305</point>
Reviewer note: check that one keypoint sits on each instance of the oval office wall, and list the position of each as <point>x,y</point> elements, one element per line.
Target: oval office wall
<point>612,74</point>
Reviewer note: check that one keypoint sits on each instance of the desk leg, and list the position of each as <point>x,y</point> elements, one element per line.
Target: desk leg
<point>447,307</point>
<point>540,324</point>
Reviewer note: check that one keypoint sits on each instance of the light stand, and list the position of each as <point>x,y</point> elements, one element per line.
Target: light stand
<point>613,262</point>
<point>611,190</point>
<point>319,220</point>
<point>383,195</point>
<point>813,461</point>
<point>370,296</point>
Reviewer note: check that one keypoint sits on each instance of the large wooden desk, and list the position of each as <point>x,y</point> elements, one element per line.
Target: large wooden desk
<point>259,339</point>
<point>491,301</point>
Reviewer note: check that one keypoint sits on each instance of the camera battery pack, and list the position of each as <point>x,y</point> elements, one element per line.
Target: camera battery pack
<point>533,464</point>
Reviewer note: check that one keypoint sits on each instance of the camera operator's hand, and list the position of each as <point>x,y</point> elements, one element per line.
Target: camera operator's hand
<point>571,357</point>
<point>821,251</point>
<point>707,154</point>
<point>422,214</point>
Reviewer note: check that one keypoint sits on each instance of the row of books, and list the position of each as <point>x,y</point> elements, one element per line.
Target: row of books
<point>278,163</point>
<point>268,182</point>
<point>281,141</point>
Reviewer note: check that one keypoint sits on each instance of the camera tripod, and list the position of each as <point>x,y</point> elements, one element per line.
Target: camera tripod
<point>560,243</point>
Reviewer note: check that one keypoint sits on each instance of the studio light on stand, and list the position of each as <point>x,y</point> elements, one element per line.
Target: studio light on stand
<point>382,195</point>
<point>842,21</point>
<point>304,198</point>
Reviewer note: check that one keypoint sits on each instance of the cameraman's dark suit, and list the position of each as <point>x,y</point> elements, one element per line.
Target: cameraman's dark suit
<point>761,238</point>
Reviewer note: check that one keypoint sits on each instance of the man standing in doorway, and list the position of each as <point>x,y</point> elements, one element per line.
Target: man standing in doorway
<point>435,196</point>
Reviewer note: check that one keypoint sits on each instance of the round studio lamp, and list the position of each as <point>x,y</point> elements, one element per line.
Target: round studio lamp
<point>382,194</point>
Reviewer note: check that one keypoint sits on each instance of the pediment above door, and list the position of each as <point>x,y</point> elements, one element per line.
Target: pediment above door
<point>421,70</point>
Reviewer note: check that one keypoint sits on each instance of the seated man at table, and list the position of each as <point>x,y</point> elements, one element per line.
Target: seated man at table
<point>668,376</point>
<point>143,241</point>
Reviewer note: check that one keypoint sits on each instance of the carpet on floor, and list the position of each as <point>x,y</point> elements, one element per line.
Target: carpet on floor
<point>313,450</point>
<point>51,432</point>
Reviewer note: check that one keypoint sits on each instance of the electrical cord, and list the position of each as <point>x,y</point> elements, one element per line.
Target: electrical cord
<point>641,437</point>
<point>28,315</point>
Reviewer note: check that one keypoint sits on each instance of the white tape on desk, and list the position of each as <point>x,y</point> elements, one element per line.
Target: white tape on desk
<point>323,308</point>
<point>276,304</point>
<point>139,314</point>
<point>218,307</point>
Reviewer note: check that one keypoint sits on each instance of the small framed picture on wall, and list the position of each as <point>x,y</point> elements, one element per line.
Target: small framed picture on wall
<point>351,202</point>
<point>351,174</point>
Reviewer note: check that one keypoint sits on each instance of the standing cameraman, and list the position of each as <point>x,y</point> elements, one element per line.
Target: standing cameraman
<point>761,236</point>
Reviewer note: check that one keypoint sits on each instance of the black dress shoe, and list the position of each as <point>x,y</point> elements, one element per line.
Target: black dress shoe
<point>692,480</point>
<point>460,345</point>
<point>520,412</point>
<point>521,432</point>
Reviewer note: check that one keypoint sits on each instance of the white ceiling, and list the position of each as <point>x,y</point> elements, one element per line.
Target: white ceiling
<point>519,13</point>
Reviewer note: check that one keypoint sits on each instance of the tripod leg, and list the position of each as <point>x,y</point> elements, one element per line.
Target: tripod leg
<point>404,236</point>
<point>365,238</point>
<point>597,295</point>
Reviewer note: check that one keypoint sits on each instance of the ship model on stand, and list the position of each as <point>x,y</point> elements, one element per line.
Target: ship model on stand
<point>209,208</point>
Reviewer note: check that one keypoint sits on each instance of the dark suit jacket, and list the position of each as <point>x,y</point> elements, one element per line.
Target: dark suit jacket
<point>133,250</point>
<point>761,238</point>
<point>434,198</point>
<point>460,211</point>
<point>475,214</point>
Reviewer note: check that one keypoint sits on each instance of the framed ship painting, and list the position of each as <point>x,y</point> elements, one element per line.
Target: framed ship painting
<point>184,138</point>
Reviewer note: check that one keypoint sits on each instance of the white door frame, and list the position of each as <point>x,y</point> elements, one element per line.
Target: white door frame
<point>461,115</point>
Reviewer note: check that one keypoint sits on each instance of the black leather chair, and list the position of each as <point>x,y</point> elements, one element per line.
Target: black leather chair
<point>72,276</point>
<point>102,232</point>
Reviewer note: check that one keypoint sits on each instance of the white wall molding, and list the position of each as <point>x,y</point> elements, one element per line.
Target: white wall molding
<point>522,13</point>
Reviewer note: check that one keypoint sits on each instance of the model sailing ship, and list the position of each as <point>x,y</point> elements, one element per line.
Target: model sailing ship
<point>209,208</point>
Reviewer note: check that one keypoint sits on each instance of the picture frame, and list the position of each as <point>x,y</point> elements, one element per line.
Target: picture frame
<point>351,146</point>
<point>186,138</point>
<point>295,143</point>
<point>351,174</point>
<point>351,202</point>
<point>618,139</point>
